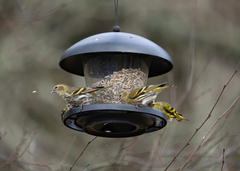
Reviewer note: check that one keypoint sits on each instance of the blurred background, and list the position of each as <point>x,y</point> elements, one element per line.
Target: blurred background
<point>203,39</point>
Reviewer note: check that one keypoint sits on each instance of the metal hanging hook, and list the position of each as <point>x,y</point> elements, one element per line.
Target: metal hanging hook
<point>116,28</point>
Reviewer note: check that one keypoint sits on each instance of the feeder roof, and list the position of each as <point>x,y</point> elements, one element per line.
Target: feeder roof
<point>116,42</point>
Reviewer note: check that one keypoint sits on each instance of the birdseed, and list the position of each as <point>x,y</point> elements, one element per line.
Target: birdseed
<point>118,82</point>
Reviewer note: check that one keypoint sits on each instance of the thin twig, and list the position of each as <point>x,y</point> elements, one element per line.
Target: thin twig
<point>187,104</point>
<point>209,115</point>
<point>17,34</point>
<point>33,136</point>
<point>200,145</point>
<point>192,50</point>
<point>119,152</point>
<point>52,11</point>
<point>191,56</point>
<point>125,151</point>
<point>230,150</point>
<point>2,131</point>
<point>82,152</point>
<point>94,157</point>
<point>182,99</point>
<point>14,153</point>
<point>37,164</point>
<point>14,156</point>
<point>204,154</point>
<point>68,150</point>
<point>223,160</point>
<point>154,155</point>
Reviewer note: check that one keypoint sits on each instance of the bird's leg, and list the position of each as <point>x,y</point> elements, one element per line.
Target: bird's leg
<point>81,105</point>
<point>136,104</point>
<point>71,106</point>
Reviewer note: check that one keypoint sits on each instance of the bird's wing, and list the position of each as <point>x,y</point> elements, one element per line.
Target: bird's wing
<point>136,93</point>
<point>155,87</point>
<point>93,90</point>
<point>75,90</point>
<point>170,109</point>
<point>141,91</point>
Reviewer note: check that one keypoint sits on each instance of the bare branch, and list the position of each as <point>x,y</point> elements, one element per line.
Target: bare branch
<point>223,159</point>
<point>14,152</point>
<point>154,156</point>
<point>19,37</point>
<point>33,136</point>
<point>186,104</point>
<point>192,50</point>
<point>52,11</point>
<point>37,164</point>
<point>200,145</point>
<point>82,152</point>
<point>126,149</point>
<point>68,150</point>
<point>230,150</point>
<point>14,156</point>
<point>2,131</point>
<point>94,157</point>
<point>209,115</point>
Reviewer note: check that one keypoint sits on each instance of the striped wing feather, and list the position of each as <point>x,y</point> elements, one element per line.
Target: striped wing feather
<point>140,93</point>
<point>82,90</point>
<point>169,109</point>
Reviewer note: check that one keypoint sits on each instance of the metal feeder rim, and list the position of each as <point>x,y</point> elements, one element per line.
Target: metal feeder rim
<point>71,116</point>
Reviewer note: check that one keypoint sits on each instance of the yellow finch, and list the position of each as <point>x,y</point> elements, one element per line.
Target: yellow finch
<point>168,110</point>
<point>75,96</point>
<point>143,96</point>
<point>65,109</point>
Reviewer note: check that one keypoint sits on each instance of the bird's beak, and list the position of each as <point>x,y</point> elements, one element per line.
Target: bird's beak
<point>119,100</point>
<point>53,91</point>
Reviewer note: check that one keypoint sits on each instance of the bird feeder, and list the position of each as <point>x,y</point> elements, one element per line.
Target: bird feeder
<point>119,61</point>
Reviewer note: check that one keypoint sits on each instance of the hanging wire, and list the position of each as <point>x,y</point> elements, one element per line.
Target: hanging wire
<point>116,10</point>
<point>116,28</point>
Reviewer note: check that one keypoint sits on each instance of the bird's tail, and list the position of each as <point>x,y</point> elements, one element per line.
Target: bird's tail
<point>182,118</point>
<point>164,86</point>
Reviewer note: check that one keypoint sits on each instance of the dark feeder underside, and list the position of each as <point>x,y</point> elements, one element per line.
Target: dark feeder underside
<point>115,120</point>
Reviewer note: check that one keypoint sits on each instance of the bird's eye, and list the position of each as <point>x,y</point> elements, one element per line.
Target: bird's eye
<point>55,88</point>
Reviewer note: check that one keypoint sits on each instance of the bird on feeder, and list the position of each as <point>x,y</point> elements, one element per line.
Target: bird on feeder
<point>169,111</point>
<point>64,110</point>
<point>76,96</point>
<point>143,96</point>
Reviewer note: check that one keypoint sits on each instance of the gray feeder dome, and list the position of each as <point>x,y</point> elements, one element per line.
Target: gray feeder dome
<point>73,58</point>
<point>97,58</point>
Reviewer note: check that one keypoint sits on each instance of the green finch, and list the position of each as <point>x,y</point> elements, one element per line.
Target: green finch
<point>76,96</point>
<point>168,110</point>
<point>143,96</point>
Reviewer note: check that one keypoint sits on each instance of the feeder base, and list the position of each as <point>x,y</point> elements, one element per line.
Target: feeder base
<point>115,120</point>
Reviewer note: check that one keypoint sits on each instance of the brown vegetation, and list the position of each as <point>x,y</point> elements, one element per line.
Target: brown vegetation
<point>203,39</point>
